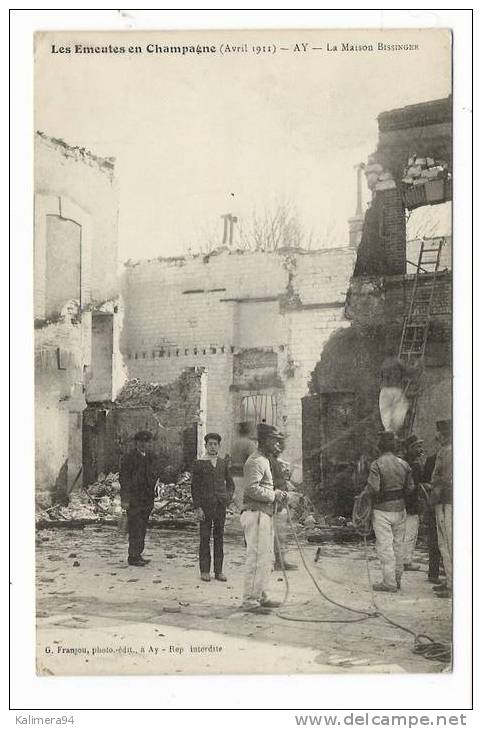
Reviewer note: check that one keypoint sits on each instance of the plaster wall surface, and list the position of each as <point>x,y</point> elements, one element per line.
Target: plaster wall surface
<point>75,267</point>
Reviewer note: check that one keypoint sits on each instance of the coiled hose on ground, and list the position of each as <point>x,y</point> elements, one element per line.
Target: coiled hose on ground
<point>423,645</point>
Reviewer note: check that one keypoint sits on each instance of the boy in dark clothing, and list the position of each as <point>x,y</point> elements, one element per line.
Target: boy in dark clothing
<point>137,479</point>
<point>212,491</point>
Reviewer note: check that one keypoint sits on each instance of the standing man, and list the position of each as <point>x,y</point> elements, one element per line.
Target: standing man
<point>389,480</point>
<point>434,556</point>
<point>212,490</point>
<point>260,499</point>
<point>415,457</point>
<point>244,444</point>
<point>137,480</point>
<point>281,480</point>
<point>441,498</point>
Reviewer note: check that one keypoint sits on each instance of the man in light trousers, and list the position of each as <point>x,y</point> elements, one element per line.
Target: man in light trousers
<point>389,479</point>
<point>259,503</point>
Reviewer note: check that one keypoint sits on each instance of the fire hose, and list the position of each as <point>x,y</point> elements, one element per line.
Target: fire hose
<point>423,644</point>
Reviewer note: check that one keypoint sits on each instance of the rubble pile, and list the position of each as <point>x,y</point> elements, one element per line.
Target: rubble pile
<point>173,500</point>
<point>100,502</point>
<point>136,393</point>
<point>421,169</point>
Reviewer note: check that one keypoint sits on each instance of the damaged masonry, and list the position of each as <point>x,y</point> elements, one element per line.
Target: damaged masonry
<point>180,347</point>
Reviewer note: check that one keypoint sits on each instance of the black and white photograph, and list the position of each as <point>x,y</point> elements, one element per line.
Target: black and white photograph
<point>243,352</point>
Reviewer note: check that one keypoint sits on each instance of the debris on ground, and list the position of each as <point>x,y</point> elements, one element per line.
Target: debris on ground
<point>100,502</point>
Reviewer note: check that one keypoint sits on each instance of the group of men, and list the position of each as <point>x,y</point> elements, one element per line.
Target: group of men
<point>262,492</point>
<point>401,484</point>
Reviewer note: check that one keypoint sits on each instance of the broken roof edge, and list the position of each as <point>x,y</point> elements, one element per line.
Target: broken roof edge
<point>78,153</point>
<point>424,113</point>
<point>205,257</point>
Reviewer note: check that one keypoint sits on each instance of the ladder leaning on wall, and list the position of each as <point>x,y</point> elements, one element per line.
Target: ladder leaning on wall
<point>416,324</point>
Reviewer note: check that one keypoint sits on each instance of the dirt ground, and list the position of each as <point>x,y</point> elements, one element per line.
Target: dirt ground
<point>97,615</point>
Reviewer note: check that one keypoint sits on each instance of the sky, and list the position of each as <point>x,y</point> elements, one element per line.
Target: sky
<point>196,136</point>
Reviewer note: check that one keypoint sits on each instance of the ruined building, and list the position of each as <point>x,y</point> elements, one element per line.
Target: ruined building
<point>254,321</point>
<point>77,319</point>
<point>410,176</point>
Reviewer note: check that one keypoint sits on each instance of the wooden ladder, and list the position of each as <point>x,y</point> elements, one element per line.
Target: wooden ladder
<point>416,324</point>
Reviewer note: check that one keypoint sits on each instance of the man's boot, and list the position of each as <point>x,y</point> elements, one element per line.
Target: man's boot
<point>270,603</point>
<point>382,587</point>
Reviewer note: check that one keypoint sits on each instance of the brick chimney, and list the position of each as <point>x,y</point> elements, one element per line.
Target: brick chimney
<point>392,231</point>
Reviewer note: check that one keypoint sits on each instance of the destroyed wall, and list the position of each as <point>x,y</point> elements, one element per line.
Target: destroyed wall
<point>171,412</point>
<point>75,226</point>
<point>411,167</point>
<point>341,417</point>
<point>256,321</point>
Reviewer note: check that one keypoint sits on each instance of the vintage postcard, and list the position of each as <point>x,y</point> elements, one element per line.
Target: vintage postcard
<point>243,352</point>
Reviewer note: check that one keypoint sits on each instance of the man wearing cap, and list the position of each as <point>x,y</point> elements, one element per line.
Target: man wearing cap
<point>138,478</point>
<point>260,498</point>
<point>441,497</point>
<point>389,481</point>
<point>212,491</point>
<point>414,455</point>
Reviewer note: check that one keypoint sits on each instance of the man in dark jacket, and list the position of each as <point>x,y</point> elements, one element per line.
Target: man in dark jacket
<point>212,490</point>
<point>414,455</point>
<point>137,479</point>
<point>441,497</point>
<point>434,556</point>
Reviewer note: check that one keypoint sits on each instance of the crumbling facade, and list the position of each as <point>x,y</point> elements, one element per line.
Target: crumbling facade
<point>256,321</point>
<point>410,178</point>
<point>76,308</point>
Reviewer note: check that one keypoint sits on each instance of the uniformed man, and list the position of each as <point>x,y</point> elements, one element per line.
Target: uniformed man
<point>212,491</point>
<point>137,480</point>
<point>389,480</point>
<point>244,444</point>
<point>441,498</point>
<point>414,455</point>
<point>281,480</point>
<point>259,501</point>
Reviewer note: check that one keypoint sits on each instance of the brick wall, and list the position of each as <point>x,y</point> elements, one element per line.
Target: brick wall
<point>393,231</point>
<point>208,310</point>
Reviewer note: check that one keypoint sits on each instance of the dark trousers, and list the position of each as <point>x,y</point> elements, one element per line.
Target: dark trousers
<point>433,550</point>
<point>214,518</point>
<point>137,520</point>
